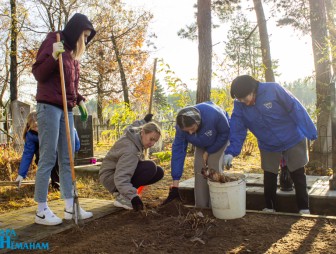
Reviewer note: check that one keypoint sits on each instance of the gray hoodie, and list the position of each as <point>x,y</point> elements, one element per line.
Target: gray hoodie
<point>120,163</point>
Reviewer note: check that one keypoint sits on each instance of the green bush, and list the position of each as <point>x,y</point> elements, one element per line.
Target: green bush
<point>163,156</point>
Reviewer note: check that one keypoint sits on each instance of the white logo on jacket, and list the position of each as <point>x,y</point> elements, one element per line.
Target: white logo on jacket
<point>268,105</point>
<point>208,133</point>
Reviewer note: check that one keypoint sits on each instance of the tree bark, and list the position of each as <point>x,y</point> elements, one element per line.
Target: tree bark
<point>100,100</point>
<point>322,147</point>
<point>264,41</point>
<point>15,110</point>
<point>121,71</point>
<point>204,51</point>
<point>13,52</point>
<point>331,12</point>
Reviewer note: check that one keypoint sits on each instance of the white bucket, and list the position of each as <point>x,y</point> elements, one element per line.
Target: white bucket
<point>228,200</point>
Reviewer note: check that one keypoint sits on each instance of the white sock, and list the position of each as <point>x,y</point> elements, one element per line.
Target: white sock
<point>41,206</point>
<point>68,203</point>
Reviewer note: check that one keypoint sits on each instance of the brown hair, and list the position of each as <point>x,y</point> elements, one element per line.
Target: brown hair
<point>31,120</point>
<point>184,121</point>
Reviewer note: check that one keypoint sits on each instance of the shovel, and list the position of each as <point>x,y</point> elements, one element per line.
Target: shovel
<point>67,127</point>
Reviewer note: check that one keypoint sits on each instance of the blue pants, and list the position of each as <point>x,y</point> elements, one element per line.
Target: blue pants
<point>53,141</point>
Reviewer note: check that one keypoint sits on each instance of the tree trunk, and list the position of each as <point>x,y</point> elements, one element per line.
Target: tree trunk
<point>331,12</point>
<point>15,110</point>
<point>100,100</point>
<point>322,147</point>
<point>264,41</point>
<point>13,52</point>
<point>204,51</point>
<point>121,70</point>
<point>6,75</point>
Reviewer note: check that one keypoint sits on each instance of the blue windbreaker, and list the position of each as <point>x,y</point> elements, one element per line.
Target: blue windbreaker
<point>212,135</point>
<point>278,120</point>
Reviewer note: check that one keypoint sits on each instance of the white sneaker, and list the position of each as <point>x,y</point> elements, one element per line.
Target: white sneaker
<point>304,211</point>
<point>47,217</point>
<point>268,210</point>
<point>69,214</point>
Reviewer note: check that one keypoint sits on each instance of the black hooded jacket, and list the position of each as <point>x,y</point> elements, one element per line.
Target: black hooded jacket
<point>74,28</point>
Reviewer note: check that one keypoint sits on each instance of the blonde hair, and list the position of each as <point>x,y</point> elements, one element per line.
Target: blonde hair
<point>80,47</point>
<point>151,127</point>
<point>31,120</point>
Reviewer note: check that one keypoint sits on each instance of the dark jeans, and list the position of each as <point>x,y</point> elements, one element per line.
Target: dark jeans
<point>146,173</point>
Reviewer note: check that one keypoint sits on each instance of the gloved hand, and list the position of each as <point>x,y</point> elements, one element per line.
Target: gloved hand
<point>148,118</point>
<point>173,194</point>
<point>58,49</point>
<point>227,161</point>
<point>83,111</point>
<point>19,179</point>
<point>137,204</point>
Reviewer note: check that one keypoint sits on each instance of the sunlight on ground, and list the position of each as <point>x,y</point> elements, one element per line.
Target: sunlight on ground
<point>297,232</point>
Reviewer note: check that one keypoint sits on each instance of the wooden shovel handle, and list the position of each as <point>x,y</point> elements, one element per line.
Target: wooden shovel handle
<point>65,109</point>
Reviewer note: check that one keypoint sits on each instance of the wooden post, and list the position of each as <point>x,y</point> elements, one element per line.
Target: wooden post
<point>152,88</point>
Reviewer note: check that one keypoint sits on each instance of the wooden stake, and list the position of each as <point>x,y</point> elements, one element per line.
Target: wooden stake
<point>152,88</point>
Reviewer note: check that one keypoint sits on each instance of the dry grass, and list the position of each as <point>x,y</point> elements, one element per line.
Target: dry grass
<point>12,198</point>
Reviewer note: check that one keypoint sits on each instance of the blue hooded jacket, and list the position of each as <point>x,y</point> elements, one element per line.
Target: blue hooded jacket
<point>31,147</point>
<point>212,135</point>
<point>278,120</point>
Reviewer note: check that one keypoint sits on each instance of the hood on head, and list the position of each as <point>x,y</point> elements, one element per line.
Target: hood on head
<point>74,28</point>
<point>192,112</point>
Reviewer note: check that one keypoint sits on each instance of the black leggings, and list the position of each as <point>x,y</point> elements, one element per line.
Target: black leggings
<point>300,185</point>
<point>146,173</point>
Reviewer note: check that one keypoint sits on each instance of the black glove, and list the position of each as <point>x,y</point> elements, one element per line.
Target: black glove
<point>173,194</point>
<point>148,118</point>
<point>137,204</point>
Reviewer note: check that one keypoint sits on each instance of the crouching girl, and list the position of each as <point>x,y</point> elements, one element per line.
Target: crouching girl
<point>124,169</point>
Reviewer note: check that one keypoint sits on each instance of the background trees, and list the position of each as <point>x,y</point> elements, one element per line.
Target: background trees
<point>117,67</point>
<point>204,50</point>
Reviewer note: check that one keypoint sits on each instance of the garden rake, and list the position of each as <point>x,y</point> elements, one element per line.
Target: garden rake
<point>76,210</point>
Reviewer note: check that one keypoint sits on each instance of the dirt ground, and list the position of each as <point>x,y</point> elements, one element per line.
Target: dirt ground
<point>177,229</point>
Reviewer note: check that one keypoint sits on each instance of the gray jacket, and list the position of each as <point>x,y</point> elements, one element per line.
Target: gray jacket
<point>121,161</point>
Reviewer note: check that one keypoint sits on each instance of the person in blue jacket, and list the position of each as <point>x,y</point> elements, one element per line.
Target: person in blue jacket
<point>205,126</point>
<point>281,125</point>
<point>31,148</point>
